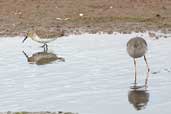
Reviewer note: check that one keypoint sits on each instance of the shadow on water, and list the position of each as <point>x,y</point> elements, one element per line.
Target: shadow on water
<point>42,58</point>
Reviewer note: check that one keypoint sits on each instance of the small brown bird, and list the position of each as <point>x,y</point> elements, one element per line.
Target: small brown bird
<point>136,48</point>
<point>41,37</point>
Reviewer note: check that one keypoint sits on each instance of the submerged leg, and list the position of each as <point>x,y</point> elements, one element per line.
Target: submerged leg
<point>45,46</point>
<point>146,63</point>
<point>147,70</point>
<point>135,78</point>
<point>146,80</point>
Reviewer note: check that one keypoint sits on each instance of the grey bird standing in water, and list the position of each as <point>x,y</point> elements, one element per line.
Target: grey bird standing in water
<point>136,48</point>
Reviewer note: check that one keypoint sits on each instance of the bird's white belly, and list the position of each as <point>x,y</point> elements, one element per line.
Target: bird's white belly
<point>44,40</point>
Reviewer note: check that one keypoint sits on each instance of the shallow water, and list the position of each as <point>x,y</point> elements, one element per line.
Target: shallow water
<point>94,79</point>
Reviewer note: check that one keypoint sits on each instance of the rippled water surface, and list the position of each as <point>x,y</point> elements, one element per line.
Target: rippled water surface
<point>95,77</point>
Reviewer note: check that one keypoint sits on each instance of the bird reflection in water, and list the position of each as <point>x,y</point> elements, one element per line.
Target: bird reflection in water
<point>41,58</point>
<point>138,96</point>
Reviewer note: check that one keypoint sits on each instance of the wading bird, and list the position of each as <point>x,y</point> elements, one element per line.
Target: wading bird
<point>136,48</point>
<point>44,39</point>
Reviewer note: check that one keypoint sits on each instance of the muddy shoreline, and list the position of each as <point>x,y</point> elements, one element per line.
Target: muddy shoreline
<point>75,16</point>
<point>45,112</point>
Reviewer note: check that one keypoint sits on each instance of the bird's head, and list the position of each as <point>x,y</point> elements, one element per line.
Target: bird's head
<point>29,34</point>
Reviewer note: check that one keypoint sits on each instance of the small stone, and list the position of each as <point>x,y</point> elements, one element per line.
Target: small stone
<point>158,15</point>
<point>81,14</point>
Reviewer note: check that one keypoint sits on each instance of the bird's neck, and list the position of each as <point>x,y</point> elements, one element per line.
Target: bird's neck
<point>35,37</point>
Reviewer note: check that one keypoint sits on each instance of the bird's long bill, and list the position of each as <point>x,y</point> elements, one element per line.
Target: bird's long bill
<point>24,39</point>
<point>25,55</point>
